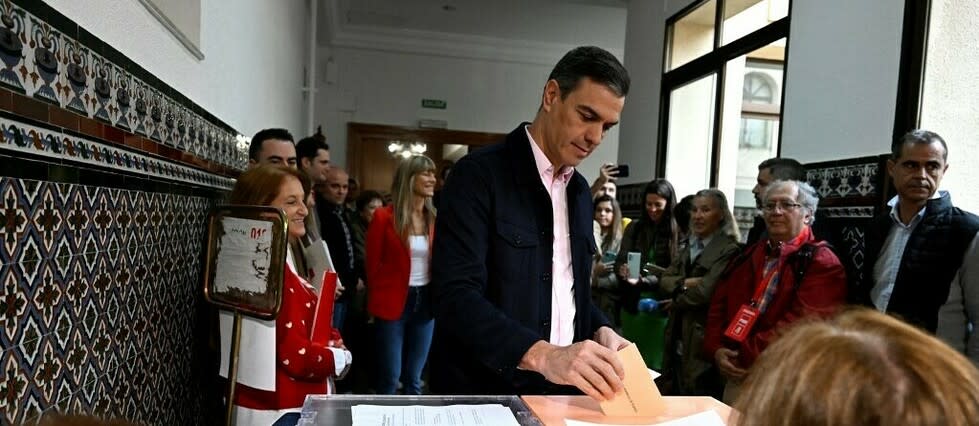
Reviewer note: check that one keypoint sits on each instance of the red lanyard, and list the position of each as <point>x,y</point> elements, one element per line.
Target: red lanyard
<point>805,235</point>
<point>763,284</point>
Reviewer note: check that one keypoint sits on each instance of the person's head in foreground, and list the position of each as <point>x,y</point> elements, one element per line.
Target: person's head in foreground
<point>277,186</point>
<point>859,368</point>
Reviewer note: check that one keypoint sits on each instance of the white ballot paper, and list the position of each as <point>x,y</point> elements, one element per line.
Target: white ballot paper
<point>421,415</point>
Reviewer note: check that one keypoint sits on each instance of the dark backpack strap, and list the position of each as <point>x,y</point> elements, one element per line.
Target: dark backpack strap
<point>801,260</point>
<point>743,255</point>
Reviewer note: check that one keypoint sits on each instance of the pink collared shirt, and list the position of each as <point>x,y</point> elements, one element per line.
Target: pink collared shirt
<point>562,276</point>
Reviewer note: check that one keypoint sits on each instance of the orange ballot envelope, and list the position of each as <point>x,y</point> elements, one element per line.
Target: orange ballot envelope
<point>639,397</point>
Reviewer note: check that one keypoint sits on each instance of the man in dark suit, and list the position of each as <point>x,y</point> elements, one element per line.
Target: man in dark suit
<point>513,250</point>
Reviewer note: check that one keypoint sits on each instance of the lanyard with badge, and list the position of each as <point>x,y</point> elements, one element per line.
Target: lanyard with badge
<point>745,319</point>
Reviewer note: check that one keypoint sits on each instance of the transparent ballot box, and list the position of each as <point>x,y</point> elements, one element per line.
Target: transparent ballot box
<point>335,409</point>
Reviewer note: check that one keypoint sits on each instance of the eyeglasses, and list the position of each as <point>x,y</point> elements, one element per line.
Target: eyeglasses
<point>781,205</point>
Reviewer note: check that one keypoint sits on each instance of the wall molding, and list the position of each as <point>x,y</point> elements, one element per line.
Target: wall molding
<point>452,45</point>
<point>173,29</point>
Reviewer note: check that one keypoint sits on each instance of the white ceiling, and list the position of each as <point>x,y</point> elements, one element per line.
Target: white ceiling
<point>563,22</point>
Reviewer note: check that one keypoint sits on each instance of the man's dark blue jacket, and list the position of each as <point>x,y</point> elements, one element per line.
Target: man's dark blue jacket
<point>491,271</point>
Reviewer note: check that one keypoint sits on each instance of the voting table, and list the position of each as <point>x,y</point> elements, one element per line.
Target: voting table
<point>336,409</point>
<point>551,410</point>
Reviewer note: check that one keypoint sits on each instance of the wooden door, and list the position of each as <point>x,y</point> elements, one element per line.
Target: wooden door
<point>369,161</point>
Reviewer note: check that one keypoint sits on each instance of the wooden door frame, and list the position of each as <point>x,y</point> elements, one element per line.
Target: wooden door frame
<point>357,133</point>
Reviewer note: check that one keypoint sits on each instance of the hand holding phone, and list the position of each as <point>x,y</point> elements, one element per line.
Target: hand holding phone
<point>633,261</point>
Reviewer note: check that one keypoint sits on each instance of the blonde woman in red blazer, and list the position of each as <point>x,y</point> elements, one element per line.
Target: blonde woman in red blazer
<point>399,247</point>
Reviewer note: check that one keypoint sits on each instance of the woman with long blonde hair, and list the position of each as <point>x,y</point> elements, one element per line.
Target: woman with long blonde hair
<point>399,241</point>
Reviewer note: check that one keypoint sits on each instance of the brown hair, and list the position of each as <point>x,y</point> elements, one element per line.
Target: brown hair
<point>260,185</point>
<point>860,368</point>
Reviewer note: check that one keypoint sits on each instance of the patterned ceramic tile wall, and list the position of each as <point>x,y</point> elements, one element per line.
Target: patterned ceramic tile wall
<point>851,192</point>
<point>100,243</point>
<point>97,289</point>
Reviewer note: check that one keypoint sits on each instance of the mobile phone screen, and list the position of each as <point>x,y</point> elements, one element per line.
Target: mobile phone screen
<point>623,170</point>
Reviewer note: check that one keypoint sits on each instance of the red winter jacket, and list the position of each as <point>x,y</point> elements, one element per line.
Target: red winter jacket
<point>388,265</point>
<point>822,291</point>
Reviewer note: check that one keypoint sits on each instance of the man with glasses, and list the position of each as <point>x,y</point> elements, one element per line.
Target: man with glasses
<point>769,171</point>
<point>775,282</point>
<point>922,257</point>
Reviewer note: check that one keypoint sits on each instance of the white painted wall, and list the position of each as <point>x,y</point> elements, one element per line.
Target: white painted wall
<point>251,76</point>
<point>841,78</point>
<point>381,87</point>
<point>950,105</point>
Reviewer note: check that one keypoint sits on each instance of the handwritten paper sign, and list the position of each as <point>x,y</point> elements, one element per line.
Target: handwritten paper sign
<point>244,256</point>
<point>246,252</point>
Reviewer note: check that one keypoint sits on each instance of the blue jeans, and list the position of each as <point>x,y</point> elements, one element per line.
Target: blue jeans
<point>339,314</point>
<point>402,345</point>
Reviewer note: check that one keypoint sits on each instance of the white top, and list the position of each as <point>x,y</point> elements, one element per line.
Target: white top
<point>420,260</point>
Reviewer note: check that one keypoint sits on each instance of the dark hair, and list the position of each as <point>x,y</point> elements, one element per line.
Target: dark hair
<point>682,213</point>
<point>918,136</point>
<point>784,169</point>
<point>593,62</point>
<point>309,147</point>
<point>366,197</point>
<point>663,188</point>
<point>263,135</point>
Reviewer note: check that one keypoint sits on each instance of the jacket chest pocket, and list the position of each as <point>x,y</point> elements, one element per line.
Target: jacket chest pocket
<point>515,248</point>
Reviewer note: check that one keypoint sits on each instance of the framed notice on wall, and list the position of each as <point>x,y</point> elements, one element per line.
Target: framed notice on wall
<point>245,263</point>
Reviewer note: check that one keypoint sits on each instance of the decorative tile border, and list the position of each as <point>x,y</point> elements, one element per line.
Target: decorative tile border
<point>71,71</point>
<point>21,137</point>
<point>845,181</point>
<point>863,212</point>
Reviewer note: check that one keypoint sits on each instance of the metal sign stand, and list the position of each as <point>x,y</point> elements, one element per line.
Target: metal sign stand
<point>233,368</point>
<point>242,237</point>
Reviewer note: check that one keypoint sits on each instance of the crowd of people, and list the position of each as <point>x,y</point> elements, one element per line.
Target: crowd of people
<point>526,279</point>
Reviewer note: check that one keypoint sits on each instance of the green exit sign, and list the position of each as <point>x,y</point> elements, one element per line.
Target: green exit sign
<point>433,103</point>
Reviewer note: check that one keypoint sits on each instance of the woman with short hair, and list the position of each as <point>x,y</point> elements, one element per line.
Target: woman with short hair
<point>775,282</point>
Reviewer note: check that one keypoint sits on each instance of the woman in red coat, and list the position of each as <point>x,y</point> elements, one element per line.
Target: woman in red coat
<point>302,366</point>
<point>399,242</point>
<point>762,293</point>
